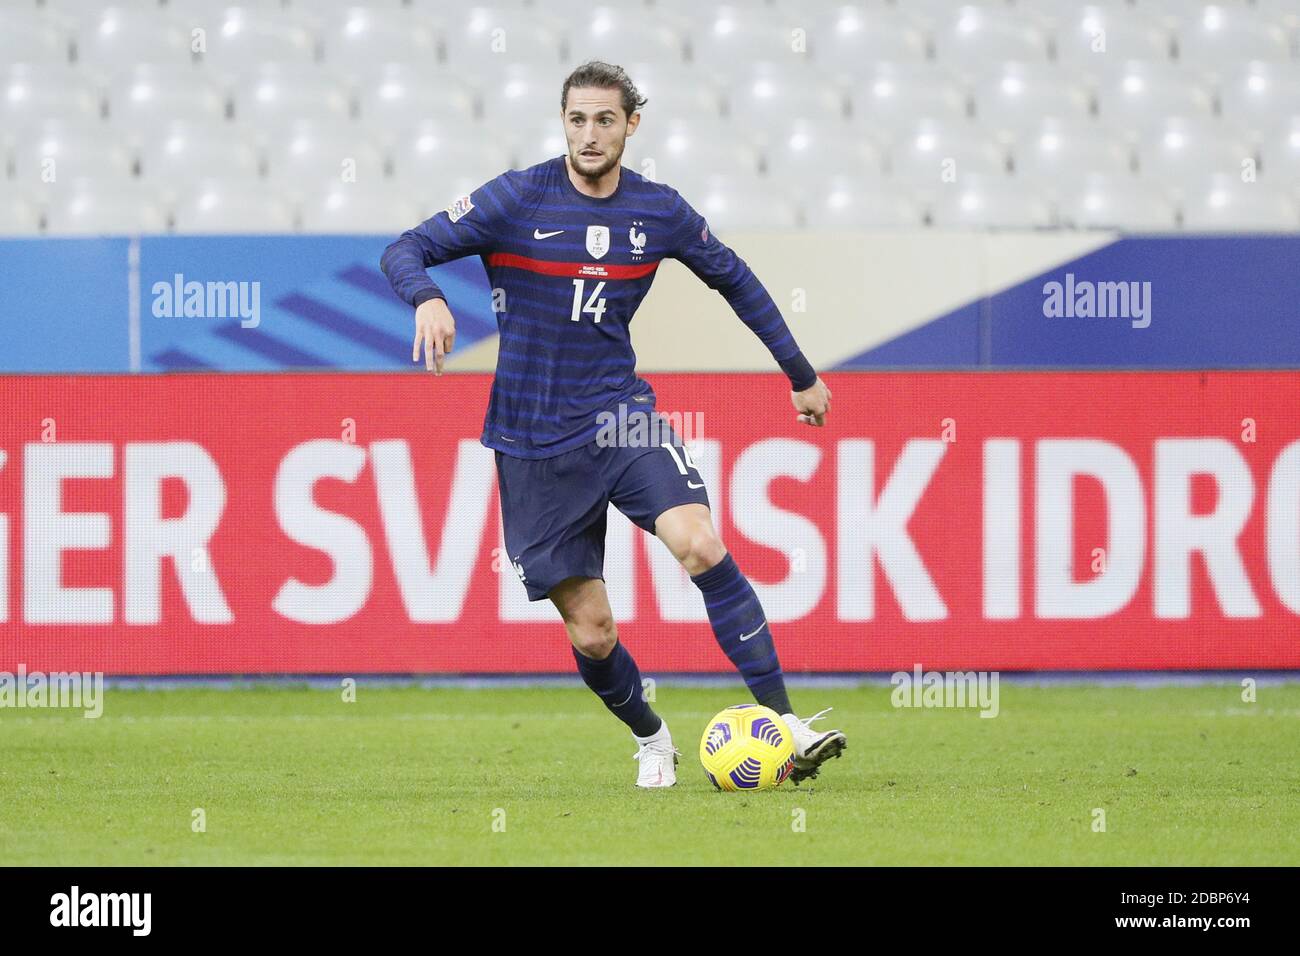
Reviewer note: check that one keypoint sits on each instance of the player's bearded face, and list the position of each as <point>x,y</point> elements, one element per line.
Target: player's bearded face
<point>596,129</point>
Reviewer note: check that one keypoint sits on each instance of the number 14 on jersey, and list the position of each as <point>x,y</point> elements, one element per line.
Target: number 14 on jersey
<point>594,304</point>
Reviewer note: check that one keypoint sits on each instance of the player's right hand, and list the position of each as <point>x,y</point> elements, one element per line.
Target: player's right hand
<point>813,403</point>
<point>435,327</point>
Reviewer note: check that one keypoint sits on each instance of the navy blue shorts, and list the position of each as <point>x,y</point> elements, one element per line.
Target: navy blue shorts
<point>554,509</point>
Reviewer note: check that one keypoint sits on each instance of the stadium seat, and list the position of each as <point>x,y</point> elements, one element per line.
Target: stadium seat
<point>480,40</point>
<point>930,153</point>
<point>434,153</point>
<point>241,38</point>
<point>1255,95</point>
<point>730,202</point>
<point>521,94</point>
<point>359,34</point>
<point>1225,203</point>
<point>174,158</point>
<point>274,95</point>
<point>218,206</point>
<point>186,11</point>
<point>1179,13</point>
<point>157,95</point>
<point>767,93</point>
<point>934,15</point>
<point>1093,37</point>
<point>623,35</point>
<point>971,37</point>
<point>682,15</point>
<point>1282,13</point>
<point>565,15</point>
<point>33,95</point>
<point>1124,203</point>
<point>1019,96</point>
<point>314,154</point>
<point>96,207</point>
<point>356,207</point>
<point>19,216</point>
<point>1063,152</point>
<point>849,203</point>
<point>975,201</point>
<point>806,152</point>
<point>1279,154</point>
<point>898,94</point>
<point>321,9</point>
<point>850,41</point>
<point>1190,150</point>
<point>725,40</point>
<point>31,36</point>
<point>68,152</point>
<point>539,140</point>
<point>667,152</point>
<point>1141,96</point>
<point>126,34</point>
<point>1227,34</point>
<point>396,94</point>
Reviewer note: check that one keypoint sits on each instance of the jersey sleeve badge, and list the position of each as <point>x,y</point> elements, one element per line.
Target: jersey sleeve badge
<point>459,208</point>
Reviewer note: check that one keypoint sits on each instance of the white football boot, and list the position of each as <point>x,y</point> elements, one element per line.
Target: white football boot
<point>812,747</point>
<point>658,759</point>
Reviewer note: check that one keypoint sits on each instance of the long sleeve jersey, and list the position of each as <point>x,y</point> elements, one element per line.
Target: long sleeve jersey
<point>568,272</point>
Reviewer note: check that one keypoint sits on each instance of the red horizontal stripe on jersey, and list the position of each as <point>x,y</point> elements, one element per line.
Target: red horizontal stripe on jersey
<point>594,270</point>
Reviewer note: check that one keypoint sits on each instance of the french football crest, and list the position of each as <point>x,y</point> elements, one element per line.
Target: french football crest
<point>597,240</point>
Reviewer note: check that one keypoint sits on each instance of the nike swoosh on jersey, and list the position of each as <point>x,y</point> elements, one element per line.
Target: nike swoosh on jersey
<point>538,234</point>
<point>691,484</point>
<point>745,637</point>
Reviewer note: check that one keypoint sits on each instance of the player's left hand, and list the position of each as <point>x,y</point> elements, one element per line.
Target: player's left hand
<point>813,403</point>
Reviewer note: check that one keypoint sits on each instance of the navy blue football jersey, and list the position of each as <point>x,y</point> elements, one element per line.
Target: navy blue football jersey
<point>568,272</point>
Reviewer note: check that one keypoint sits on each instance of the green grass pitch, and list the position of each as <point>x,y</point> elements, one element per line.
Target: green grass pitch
<point>1186,775</point>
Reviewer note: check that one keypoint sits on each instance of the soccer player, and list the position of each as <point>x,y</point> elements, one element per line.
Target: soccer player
<point>571,246</point>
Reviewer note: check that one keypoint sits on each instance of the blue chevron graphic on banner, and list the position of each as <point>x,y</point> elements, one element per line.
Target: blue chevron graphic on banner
<point>324,304</point>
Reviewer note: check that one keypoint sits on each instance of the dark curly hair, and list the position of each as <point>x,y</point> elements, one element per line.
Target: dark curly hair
<point>601,75</point>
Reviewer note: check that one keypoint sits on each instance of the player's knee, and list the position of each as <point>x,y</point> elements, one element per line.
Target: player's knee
<point>594,637</point>
<point>703,550</point>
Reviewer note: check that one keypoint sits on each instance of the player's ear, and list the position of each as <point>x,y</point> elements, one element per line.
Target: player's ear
<point>633,122</point>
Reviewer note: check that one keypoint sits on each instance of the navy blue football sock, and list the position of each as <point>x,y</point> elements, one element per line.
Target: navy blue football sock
<point>617,682</point>
<point>741,628</point>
